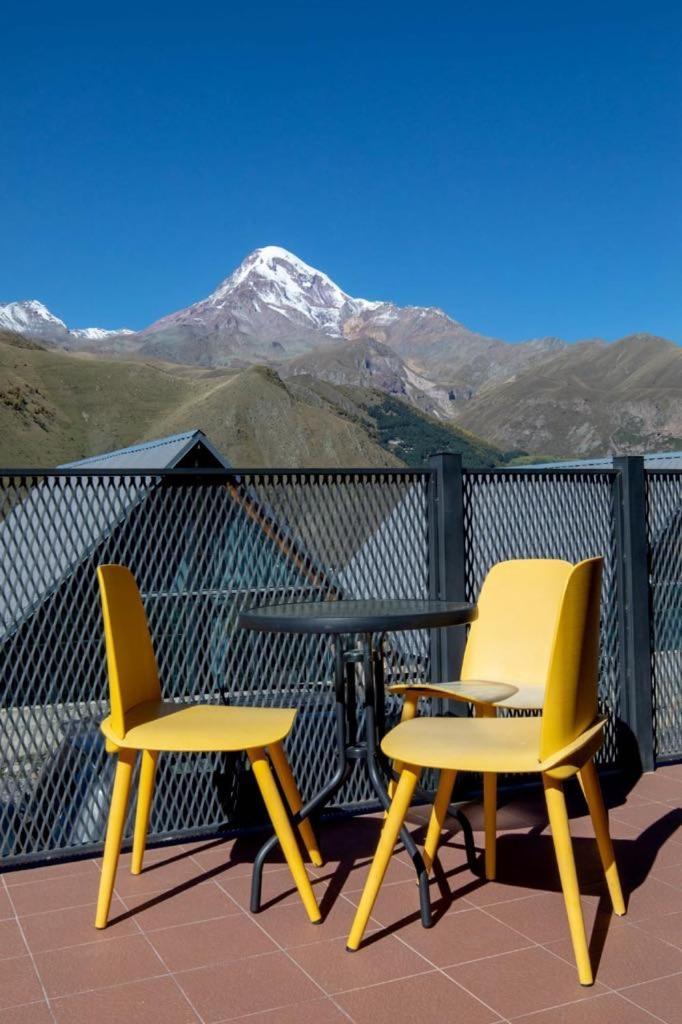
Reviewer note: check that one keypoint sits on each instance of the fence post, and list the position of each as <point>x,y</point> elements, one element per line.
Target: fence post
<point>635,618</point>
<point>448,580</point>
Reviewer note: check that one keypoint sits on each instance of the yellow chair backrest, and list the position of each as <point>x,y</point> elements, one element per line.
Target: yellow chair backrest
<point>133,674</point>
<point>518,607</point>
<point>571,693</point>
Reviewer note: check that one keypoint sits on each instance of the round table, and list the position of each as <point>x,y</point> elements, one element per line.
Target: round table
<point>364,620</point>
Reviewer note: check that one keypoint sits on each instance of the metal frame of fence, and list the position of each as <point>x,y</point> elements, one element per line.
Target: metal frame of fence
<point>205,543</point>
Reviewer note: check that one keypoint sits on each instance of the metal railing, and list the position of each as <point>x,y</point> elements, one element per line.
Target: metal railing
<point>204,544</point>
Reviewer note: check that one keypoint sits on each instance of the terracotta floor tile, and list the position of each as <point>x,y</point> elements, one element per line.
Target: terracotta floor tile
<point>336,970</point>
<point>656,786</point>
<point>29,1013</point>
<point>55,893</point>
<point>221,940</point>
<point>542,917</point>
<point>73,926</point>
<point>82,868</point>
<point>354,880</point>
<point>18,982</point>
<point>653,897</point>
<point>234,856</point>
<point>457,938</point>
<point>322,1011</point>
<point>622,955</point>
<point>153,1001</point>
<point>664,926</point>
<point>278,890</point>
<point>663,997</point>
<point>428,998</point>
<point>11,940</point>
<point>158,874</point>
<point>65,971</point>
<point>6,909</point>
<point>644,816</point>
<point>399,904</point>
<point>289,927</point>
<point>168,908</point>
<point>226,991</point>
<point>672,874</point>
<point>523,981</point>
<point>606,1009</point>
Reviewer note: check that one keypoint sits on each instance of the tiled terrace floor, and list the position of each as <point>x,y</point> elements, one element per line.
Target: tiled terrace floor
<point>183,948</point>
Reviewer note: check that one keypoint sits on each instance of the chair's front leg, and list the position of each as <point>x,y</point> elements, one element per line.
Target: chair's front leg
<point>284,831</point>
<point>446,784</point>
<point>145,792</point>
<point>589,783</point>
<point>561,836</point>
<point>112,845</point>
<point>489,805</point>
<point>288,784</point>
<point>410,705</point>
<point>396,815</point>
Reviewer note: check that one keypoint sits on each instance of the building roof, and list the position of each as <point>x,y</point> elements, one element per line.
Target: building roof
<point>652,460</point>
<point>56,525</point>
<point>162,453</point>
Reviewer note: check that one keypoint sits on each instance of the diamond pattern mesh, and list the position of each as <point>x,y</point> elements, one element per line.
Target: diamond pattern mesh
<point>664,529</point>
<point>202,547</point>
<point>528,514</point>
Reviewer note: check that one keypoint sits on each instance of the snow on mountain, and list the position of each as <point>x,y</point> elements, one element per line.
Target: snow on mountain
<point>282,282</point>
<point>97,333</point>
<point>32,318</point>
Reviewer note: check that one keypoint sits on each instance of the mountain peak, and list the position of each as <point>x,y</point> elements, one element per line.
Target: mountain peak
<point>274,279</point>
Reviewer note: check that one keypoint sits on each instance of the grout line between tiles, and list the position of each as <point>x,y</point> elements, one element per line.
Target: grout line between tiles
<point>28,950</point>
<point>291,959</point>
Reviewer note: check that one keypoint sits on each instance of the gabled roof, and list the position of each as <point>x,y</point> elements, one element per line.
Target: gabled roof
<point>163,453</point>
<point>57,524</point>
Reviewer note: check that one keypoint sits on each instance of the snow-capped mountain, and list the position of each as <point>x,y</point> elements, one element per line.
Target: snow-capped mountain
<point>33,319</point>
<point>275,308</point>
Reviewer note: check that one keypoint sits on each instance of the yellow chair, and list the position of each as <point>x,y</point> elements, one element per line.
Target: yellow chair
<point>559,744</point>
<point>141,721</point>
<point>506,659</point>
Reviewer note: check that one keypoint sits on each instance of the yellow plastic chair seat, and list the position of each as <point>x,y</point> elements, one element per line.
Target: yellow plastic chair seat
<point>473,690</point>
<point>467,744</point>
<point>200,728</point>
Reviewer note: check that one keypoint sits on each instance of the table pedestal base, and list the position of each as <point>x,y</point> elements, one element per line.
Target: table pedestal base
<point>352,747</point>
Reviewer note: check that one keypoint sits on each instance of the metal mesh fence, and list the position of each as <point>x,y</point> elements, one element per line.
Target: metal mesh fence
<point>563,514</point>
<point>202,547</point>
<point>664,530</point>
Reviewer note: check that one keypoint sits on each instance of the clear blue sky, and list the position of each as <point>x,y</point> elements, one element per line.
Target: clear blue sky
<point>517,164</point>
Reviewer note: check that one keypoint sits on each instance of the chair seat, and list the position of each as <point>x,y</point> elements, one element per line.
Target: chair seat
<point>467,744</point>
<point>473,690</point>
<point>164,725</point>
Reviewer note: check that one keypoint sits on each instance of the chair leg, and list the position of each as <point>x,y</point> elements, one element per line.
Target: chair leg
<point>288,784</point>
<point>489,805</point>
<point>115,825</point>
<point>389,834</point>
<point>589,783</point>
<point>285,833</point>
<point>561,835</point>
<point>446,784</point>
<point>145,792</point>
<point>410,707</point>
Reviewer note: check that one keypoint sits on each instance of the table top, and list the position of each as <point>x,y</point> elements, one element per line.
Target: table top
<point>361,616</point>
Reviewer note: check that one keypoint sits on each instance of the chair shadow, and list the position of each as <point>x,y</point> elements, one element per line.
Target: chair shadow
<point>525,859</point>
